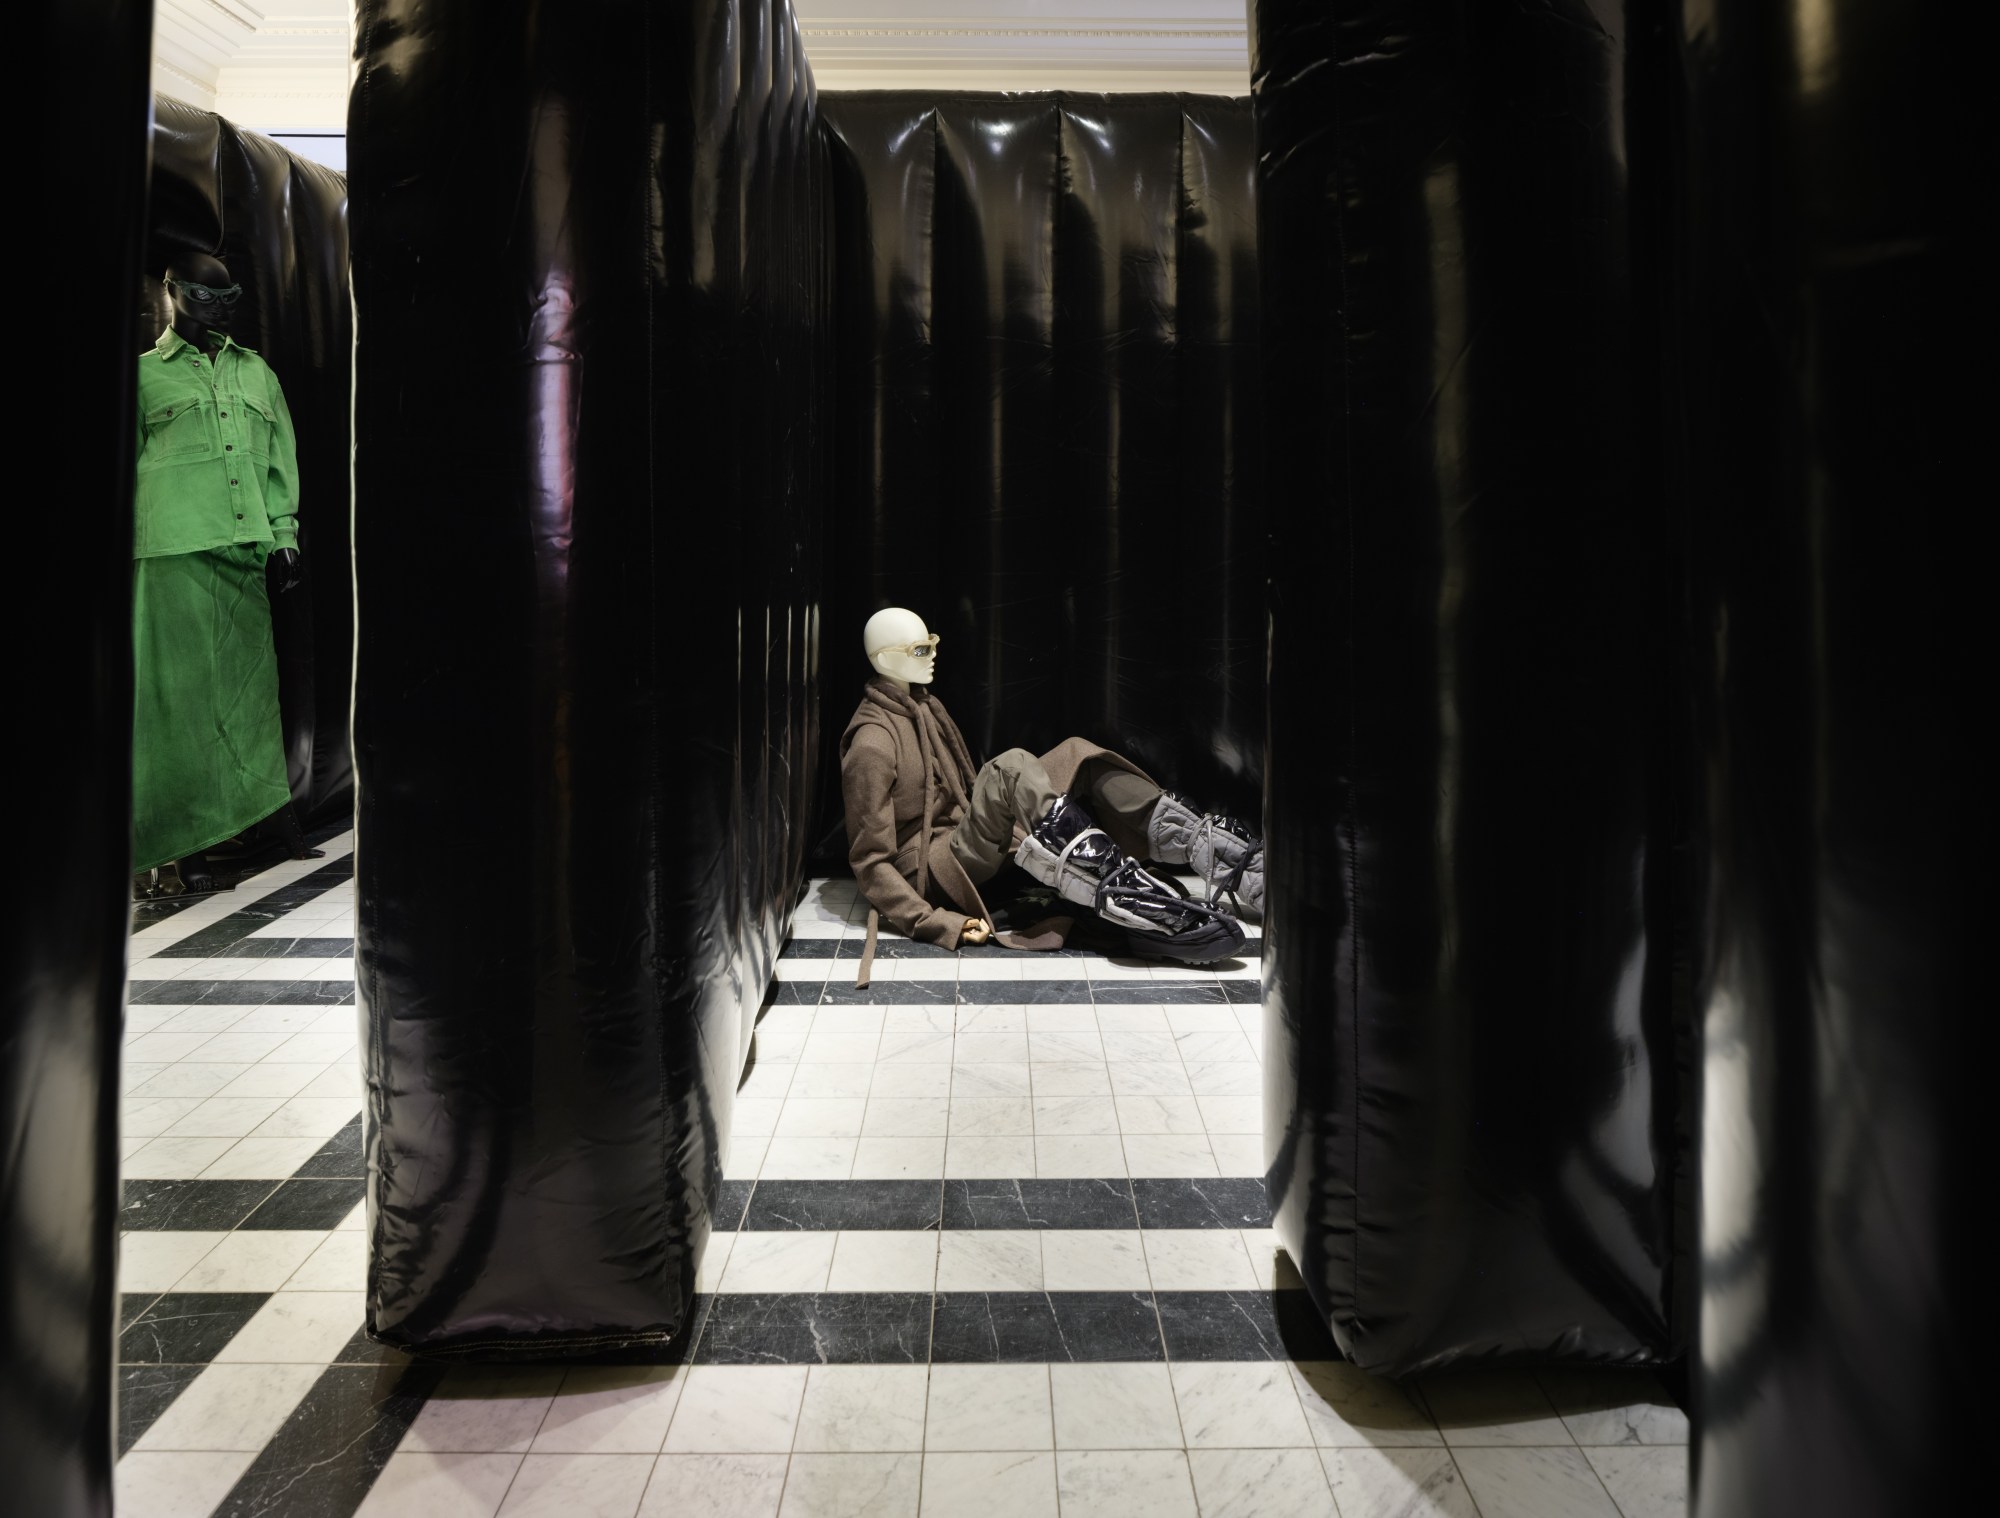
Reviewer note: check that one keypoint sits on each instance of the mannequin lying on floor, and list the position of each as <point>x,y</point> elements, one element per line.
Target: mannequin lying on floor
<point>925,831</point>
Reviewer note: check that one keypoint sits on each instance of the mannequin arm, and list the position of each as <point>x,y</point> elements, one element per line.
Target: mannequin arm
<point>867,776</point>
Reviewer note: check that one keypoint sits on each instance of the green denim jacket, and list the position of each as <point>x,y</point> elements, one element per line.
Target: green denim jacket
<point>218,463</point>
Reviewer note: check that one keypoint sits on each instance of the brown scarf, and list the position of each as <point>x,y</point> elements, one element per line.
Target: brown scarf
<point>945,756</point>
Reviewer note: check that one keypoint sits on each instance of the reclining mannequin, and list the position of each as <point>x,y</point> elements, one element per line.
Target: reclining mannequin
<point>925,831</point>
<point>215,507</point>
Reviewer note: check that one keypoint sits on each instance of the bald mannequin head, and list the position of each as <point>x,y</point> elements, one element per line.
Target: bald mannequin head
<point>201,291</point>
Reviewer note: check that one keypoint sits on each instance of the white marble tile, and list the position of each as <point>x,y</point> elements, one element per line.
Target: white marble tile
<point>1057,1017</point>
<point>231,1407</point>
<point>989,1259</point>
<point>814,1081</point>
<point>1124,1484</point>
<point>490,1410</point>
<point>1094,1259</point>
<point>1645,1482</point>
<point>913,1082</point>
<point>176,1483</point>
<point>167,1048</point>
<point>1131,1044</point>
<point>1132,1019</point>
<point>1072,1078</point>
<point>992,1116</point>
<point>987,1158</point>
<point>737,1409</point>
<point>1114,1406</point>
<point>1000,1079</point>
<point>899,1159</point>
<point>578,1486</point>
<point>283,1081</point>
<point>998,1046</point>
<point>1135,1077</point>
<point>440,1485</point>
<point>339,1264</point>
<point>779,1261</point>
<point>1268,1259</point>
<point>1213,1046</point>
<point>226,1116</point>
<point>1347,1407</point>
<point>808,1159</point>
<point>1492,1407</point>
<point>884,1260</point>
<point>1239,1405</point>
<point>306,1048</point>
<point>313,1117</point>
<point>190,1078</point>
<point>206,1018</point>
<point>1078,1156</point>
<point>755,1116</point>
<point>743,1158</point>
<point>1226,1078</point>
<point>248,1048</point>
<point>611,1410</point>
<point>989,1407</point>
<point>1072,1046</point>
<point>922,1048</point>
<point>1260,1483</point>
<point>767,1081</point>
<point>777,1047</point>
<point>1062,1116</point>
<point>256,1259</point>
<point>152,1260</point>
<point>990,1484</point>
<point>992,1018</point>
<point>175,1159</point>
<point>852,1486</point>
<point>1197,1259</point>
<point>715,1486</point>
<point>905,1117</point>
<point>132,1075</point>
<point>257,1158</point>
<point>1238,1153</point>
<point>1159,1114</point>
<point>281,1018</point>
<point>296,1327</point>
<point>1614,1406</point>
<point>823,1117</point>
<point>863,1408</point>
<point>1533,1483</point>
<point>1396,1483</point>
<point>906,1017</point>
<point>356,1219</point>
<point>1231,1114</point>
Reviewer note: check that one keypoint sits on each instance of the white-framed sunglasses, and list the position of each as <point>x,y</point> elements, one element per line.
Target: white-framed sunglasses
<point>923,648</point>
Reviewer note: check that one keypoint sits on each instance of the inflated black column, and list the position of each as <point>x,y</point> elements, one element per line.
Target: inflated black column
<point>586,479</point>
<point>69,626</point>
<point>1473,1043</point>
<point>1839,643</point>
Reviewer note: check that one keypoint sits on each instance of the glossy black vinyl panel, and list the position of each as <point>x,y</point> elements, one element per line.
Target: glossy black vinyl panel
<point>590,280</point>
<point>1047,433</point>
<point>68,898</point>
<point>1476,1083</point>
<point>280,223</point>
<point>1823,315</point>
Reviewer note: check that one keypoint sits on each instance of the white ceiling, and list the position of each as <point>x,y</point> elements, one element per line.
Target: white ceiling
<point>282,65</point>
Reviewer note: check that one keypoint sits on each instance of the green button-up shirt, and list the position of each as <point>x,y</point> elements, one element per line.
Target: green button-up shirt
<point>218,463</point>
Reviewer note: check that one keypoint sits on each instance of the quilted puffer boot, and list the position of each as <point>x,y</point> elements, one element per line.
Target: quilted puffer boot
<point>1225,853</point>
<point>1078,859</point>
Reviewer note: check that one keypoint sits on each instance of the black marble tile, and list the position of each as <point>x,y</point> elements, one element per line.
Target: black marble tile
<point>809,948</point>
<point>678,1350</point>
<point>841,991</point>
<point>1165,992</point>
<point>888,948</point>
<point>793,993</point>
<point>189,1206</point>
<point>213,940</point>
<point>146,914</point>
<point>144,1392</point>
<point>1029,1327</point>
<point>730,1202</point>
<point>317,948</point>
<point>816,1328</point>
<point>1033,993</point>
<point>186,1327</point>
<point>825,1206</point>
<point>1039,1204</point>
<point>316,993</point>
<point>308,1204</point>
<point>362,1350</point>
<point>339,1158</point>
<point>1244,1325</point>
<point>1202,1202</point>
<point>1243,993</point>
<point>324,1458</point>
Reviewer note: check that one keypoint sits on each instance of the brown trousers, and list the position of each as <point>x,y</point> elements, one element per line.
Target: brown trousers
<point>1013,790</point>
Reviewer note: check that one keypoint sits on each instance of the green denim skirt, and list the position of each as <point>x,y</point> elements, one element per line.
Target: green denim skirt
<point>208,756</point>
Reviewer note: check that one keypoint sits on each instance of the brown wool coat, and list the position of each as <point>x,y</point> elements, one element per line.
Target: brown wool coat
<point>905,777</point>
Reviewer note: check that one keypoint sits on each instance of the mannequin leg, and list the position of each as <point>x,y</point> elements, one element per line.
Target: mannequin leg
<point>1012,787</point>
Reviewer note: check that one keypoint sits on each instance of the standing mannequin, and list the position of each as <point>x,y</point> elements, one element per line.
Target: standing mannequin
<point>925,831</point>
<point>216,497</point>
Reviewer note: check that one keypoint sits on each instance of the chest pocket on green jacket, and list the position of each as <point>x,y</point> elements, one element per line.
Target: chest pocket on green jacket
<point>259,421</point>
<point>178,430</point>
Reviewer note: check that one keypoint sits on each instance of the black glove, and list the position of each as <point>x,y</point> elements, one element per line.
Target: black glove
<point>285,568</point>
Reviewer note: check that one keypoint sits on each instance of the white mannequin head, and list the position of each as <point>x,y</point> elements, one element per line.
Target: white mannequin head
<point>888,639</point>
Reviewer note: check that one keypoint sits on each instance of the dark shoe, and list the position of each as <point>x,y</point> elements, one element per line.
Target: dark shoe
<point>199,880</point>
<point>1226,853</point>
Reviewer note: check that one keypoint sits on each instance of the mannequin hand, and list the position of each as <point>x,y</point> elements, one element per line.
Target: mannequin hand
<point>977,930</point>
<point>288,572</point>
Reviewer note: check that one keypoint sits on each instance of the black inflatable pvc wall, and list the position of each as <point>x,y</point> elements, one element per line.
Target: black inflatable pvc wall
<point>1831,454</point>
<point>69,626</point>
<point>590,286</point>
<point>1475,1058</point>
<point>280,223</point>
<point>1049,437</point>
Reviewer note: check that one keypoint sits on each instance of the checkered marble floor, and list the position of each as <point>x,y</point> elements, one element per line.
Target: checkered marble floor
<point>997,1247</point>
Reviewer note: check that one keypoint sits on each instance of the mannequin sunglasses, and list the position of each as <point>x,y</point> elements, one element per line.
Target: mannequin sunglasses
<point>207,295</point>
<point>923,648</point>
